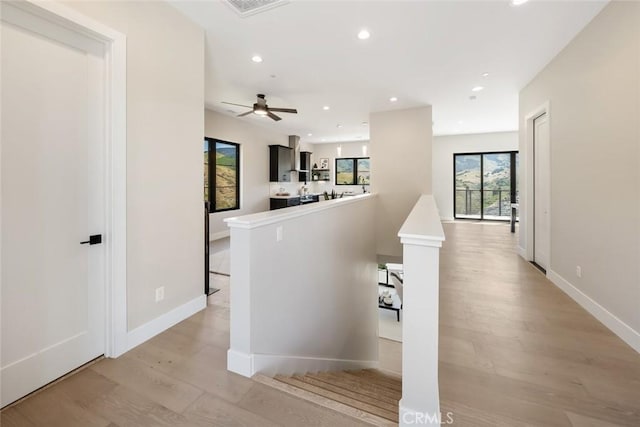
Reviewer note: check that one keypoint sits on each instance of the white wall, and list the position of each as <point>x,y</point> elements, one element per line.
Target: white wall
<point>305,302</point>
<point>593,89</point>
<point>254,163</point>
<point>444,148</point>
<point>401,143</point>
<point>330,151</point>
<point>165,95</point>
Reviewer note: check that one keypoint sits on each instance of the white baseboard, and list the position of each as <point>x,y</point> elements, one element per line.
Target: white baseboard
<point>165,321</point>
<point>446,218</point>
<point>412,417</point>
<point>617,326</point>
<point>250,364</point>
<point>219,235</point>
<point>240,363</point>
<point>522,252</point>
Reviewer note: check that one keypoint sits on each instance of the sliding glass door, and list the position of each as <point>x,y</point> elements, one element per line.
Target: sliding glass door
<point>485,185</point>
<point>468,183</point>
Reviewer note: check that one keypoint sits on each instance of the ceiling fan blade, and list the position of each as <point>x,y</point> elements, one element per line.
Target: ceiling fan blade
<point>237,105</point>
<point>245,114</point>
<point>284,110</point>
<point>273,116</point>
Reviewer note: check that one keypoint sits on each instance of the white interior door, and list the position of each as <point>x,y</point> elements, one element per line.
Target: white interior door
<point>541,191</point>
<point>52,181</point>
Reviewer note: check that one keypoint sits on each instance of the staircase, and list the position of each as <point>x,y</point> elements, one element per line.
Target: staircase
<point>369,395</point>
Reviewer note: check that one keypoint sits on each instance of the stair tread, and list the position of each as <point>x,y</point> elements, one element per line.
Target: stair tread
<point>378,378</point>
<point>381,412</point>
<point>353,394</point>
<point>361,384</point>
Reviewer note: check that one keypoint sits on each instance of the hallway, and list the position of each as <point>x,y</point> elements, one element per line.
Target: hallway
<point>514,350</point>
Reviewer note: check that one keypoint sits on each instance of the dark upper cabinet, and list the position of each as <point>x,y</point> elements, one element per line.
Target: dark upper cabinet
<point>305,165</point>
<point>279,163</point>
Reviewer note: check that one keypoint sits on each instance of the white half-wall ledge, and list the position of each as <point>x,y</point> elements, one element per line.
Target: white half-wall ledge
<point>421,236</point>
<point>302,289</point>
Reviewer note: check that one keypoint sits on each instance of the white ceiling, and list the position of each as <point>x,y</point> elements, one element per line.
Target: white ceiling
<point>423,52</point>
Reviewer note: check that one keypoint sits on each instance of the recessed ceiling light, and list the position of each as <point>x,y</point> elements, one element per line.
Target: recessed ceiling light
<point>338,126</point>
<point>325,108</point>
<point>323,140</point>
<point>485,74</point>
<point>365,124</point>
<point>256,58</point>
<point>477,89</point>
<point>518,2</point>
<point>363,34</point>
<point>309,134</point>
<point>393,99</point>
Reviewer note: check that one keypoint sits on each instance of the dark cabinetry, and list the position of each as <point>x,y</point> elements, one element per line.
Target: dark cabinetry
<point>305,166</point>
<point>279,163</point>
<point>284,203</point>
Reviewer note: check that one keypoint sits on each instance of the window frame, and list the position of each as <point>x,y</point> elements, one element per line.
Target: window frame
<point>212,142</point>
<point>512,179</point>
<point>355,169</point>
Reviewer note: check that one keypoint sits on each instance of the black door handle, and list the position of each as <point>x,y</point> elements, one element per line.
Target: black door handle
<point>94,239</point>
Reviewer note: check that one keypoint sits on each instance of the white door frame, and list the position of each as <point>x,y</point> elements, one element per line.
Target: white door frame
<point>527,212</point>
<point>115,161</point>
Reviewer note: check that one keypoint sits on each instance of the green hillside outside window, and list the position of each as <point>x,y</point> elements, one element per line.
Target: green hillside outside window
<point>222,175</point>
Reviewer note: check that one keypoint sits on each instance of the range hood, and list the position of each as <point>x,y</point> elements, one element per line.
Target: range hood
<point>294,144</point>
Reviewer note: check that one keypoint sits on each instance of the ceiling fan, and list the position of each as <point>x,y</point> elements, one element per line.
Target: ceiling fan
<point>262,109</point>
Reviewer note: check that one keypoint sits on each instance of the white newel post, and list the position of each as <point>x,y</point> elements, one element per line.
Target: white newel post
<point>421,237</point>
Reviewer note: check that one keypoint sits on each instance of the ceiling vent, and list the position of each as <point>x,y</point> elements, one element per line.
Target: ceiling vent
<point>251,7</point>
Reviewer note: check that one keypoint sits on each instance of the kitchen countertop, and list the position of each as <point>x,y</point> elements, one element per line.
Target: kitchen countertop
<point>292,196</point>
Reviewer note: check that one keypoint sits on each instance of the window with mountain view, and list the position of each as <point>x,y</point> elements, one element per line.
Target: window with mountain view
<point>221,175</point>
<point>485,185</point>
<point>353,171</point>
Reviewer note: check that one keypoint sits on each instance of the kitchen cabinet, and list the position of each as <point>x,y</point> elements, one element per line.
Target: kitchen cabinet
<point>321,175</point>
<point>305,165</point>
<point>279,163</point>
<point>283,202</point>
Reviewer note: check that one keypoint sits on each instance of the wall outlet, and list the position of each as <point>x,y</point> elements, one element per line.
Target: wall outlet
<point>159,294</point>
<point>578,271</point>
<point>279,233</point>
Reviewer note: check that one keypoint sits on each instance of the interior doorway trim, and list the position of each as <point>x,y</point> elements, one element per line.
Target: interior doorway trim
<point>115,138</point>
<point>527,211</point>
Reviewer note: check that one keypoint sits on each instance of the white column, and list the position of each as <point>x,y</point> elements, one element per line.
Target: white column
<point>421,237</point>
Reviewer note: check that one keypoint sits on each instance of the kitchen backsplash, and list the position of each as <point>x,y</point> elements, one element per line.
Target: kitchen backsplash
<point>293,188</point>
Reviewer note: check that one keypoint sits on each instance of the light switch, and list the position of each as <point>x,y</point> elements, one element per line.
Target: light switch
<point>278,233</point>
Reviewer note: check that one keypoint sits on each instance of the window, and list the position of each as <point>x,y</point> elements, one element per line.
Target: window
<point>221,175</point>
<point>353,171</point>
<point>485,185</point>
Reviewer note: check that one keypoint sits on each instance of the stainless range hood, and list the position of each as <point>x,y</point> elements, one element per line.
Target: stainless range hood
<point>294,144</point>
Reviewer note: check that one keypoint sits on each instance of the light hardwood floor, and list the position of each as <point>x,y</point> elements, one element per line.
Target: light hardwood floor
<point>514,351</point>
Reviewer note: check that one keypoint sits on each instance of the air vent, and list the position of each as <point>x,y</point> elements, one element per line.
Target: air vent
<point>251,7</point>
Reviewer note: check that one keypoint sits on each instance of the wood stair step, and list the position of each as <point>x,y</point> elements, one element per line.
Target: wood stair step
<point>351,393</point>
<point>378,378</point>
<point>360,384</point>
<point>299,381</point>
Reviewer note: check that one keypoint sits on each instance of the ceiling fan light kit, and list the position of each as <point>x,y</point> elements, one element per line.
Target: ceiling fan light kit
<point>262,109</point>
